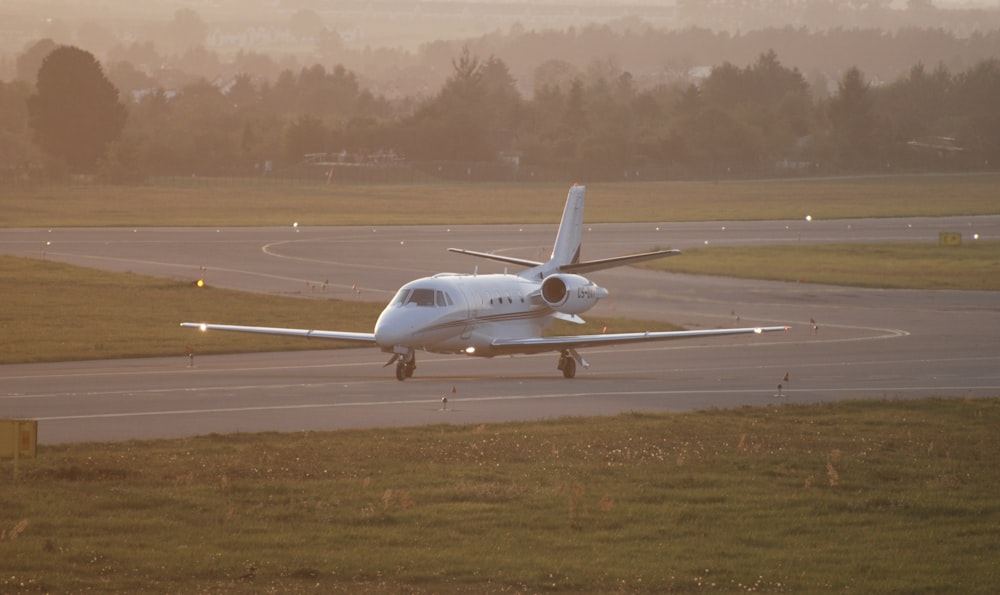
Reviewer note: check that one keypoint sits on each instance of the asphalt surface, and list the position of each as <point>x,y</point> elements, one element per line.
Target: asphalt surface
<point>845,343</point>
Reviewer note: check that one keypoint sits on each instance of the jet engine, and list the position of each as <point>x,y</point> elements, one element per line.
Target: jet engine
<point>571,294</point>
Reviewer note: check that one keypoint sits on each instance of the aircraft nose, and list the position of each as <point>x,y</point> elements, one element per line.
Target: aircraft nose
<point>390,330</point>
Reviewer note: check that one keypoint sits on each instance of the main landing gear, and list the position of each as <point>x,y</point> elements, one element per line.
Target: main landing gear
<point>567,364</point>
<point>568,359</point>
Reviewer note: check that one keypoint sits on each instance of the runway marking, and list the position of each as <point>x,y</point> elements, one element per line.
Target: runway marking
<point>267,249</point>
<point>787,394</point>
<point>187,370</point>
<point>197,389</point>
<point>194,268</point>
<point>378,364</point>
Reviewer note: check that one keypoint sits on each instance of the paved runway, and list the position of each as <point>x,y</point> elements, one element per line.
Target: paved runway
<point>867,344</point>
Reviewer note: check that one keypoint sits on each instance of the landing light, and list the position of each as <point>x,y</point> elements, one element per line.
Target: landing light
<point>758,330</point>
<point>203,327</point>
<point>470,350</point>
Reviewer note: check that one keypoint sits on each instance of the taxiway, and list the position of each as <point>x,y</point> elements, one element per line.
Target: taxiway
<point>846,343</point>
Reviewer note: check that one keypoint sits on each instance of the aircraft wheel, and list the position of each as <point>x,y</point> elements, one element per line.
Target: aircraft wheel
<point>569,368</point>
<point>402,373</point>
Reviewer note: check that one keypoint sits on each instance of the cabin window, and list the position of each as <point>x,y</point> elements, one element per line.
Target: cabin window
<point>417,296</point>
<point>421,297</point>
<point>400,298</point>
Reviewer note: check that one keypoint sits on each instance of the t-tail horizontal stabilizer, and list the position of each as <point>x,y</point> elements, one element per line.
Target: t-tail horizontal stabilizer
<point>566,251</point>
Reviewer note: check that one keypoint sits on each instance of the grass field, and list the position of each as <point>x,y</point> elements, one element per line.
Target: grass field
<point>973,265</point>
<point>186,202</point>
<point>872,497</point>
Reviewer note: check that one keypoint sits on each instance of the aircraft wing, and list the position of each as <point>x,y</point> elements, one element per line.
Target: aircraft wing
<point>539,344</point>
<point>367,338</point>
<point>617,261</point>
<point>576,267</point>
<point>508,259</point>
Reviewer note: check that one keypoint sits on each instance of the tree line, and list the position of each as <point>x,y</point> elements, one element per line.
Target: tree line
<point>594,124</point>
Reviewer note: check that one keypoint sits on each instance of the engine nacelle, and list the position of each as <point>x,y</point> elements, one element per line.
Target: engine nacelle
<point>571,294</point>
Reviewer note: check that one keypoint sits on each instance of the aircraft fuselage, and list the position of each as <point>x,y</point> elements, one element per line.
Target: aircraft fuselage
<point>452,313</point>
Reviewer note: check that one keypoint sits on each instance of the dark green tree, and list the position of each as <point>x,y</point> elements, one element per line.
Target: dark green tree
<point>502,102</point>
<point>853,123</point>
<point>281,96</point>
<point>916,110</point>
<point>243,93</point>
<point>75,111</point>
<point>575,116</point>
<point>15,148</point>
<point>453,125</point>
<point>718,144</point>
<point>306,134</point>
<point>30,61</point>
<point>977,90</point>
<point>202,134</point>
<point>726,87</point>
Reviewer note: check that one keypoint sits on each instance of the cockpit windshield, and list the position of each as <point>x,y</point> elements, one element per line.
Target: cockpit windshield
<point>423,297</point>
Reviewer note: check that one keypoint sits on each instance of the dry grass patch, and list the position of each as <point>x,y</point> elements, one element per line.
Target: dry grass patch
<point>249,202</point>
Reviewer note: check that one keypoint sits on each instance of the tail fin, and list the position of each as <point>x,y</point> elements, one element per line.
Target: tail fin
<point>566,251</point>
<point>567,247</point>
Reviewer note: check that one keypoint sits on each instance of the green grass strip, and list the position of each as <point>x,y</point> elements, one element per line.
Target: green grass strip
<point>55,312</point>
<point>872,497</point>
<point>973,265</point>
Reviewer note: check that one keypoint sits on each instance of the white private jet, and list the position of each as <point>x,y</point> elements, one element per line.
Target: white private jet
<point>499,314</point>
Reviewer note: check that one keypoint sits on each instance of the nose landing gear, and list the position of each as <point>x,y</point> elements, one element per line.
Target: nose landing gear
<point>406,363</point>
<point>405,370</point>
